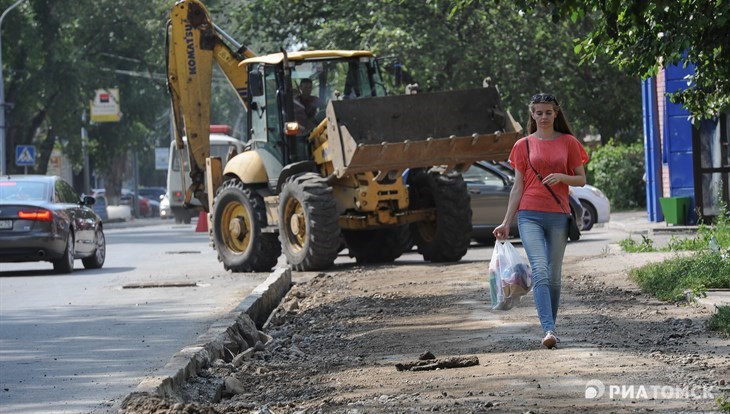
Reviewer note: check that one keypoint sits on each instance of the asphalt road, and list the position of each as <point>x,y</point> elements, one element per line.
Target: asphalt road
<point>81,342</point>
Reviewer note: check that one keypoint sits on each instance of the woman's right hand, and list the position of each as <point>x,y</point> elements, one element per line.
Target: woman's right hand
<point>501,232</point>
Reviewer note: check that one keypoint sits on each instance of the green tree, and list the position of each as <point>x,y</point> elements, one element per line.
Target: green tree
<point>57,52</point>
<point>447,47</point>
<point>641,36</point>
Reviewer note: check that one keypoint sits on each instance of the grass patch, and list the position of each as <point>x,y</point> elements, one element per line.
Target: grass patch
<point>720,321</point>
<point>669,279</point>
<point>724,402</point>
<point>714,238</point>
<point>632,246</point>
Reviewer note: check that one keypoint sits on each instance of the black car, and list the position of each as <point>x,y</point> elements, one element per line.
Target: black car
<point>42,218</point>
<point>489,184</point>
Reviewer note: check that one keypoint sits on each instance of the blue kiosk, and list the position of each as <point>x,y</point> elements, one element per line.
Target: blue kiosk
<point>687,166</point>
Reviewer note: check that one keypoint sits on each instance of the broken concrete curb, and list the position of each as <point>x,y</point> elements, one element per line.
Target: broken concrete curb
<point>229,335</point>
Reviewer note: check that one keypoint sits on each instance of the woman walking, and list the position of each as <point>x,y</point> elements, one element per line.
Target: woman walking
<point>550,156</point>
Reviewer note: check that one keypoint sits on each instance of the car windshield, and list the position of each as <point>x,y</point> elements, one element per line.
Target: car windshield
<point>11,191</point>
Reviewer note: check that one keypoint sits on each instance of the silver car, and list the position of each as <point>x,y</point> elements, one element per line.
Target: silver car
<point>489,184</point>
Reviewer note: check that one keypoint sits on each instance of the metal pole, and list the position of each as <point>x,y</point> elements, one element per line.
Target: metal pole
<point>135,176</point>
<point>3,153</point>
<point>85,152</point>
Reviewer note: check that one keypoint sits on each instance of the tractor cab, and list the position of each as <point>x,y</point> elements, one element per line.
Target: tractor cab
<point>288,95</point>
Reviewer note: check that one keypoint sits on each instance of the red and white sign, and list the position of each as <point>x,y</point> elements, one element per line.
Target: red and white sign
<point>105,107</point>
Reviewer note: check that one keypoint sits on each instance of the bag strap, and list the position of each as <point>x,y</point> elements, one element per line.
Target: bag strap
<point>527,142</point>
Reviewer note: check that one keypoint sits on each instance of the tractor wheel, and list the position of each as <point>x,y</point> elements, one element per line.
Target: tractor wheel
<point>448,238</point>
<point>239,215</point>
<point>377,245</point>
<point>308,223</point>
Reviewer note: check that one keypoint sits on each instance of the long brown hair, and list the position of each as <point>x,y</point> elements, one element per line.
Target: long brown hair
<point>561,123</point>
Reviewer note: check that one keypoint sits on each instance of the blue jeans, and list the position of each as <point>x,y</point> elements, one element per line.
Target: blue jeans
<point>544,236</point>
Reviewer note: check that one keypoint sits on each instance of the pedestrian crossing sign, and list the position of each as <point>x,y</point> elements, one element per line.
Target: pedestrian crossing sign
<point>25,155</point>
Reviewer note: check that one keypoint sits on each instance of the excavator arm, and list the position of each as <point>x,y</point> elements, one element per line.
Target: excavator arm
<point>193,44</point>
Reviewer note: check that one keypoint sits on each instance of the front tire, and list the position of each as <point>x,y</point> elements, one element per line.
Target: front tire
<point>96,261</point>
<point>239,216</point>
<point>65,264</point>
<point>448,238</point>
<point>308,223</point>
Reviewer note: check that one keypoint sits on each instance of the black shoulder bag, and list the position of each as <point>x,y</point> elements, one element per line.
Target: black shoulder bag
<point>573,230</point>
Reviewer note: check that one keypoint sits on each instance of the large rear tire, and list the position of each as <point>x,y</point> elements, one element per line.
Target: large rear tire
<point>308,223</point>
<point>377,245</point>
<point>448,238</point>
<point>239,215</point>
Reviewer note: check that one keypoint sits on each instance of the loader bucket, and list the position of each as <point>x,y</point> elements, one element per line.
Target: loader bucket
<point>391,133</point>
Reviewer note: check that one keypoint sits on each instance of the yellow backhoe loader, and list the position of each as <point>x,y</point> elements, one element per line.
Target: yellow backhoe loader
<point>346,166</point>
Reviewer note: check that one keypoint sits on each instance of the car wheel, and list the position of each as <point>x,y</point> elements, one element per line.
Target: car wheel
<point>65,264</point>
<point>96,261</point>
<point>589,215</point>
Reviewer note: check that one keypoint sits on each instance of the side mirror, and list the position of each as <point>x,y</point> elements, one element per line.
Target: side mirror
<point>89,201</point>
<point>256,83</point>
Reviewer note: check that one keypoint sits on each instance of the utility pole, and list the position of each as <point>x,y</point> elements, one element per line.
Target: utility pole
<point>3,152</point>
<point>85,152</point>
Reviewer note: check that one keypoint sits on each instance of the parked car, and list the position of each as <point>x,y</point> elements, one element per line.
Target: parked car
<point>489,184</point>
<point>42,218</point>
<point>165,210</point>
<point>144,209</point>
<point>100,207</point>
<point>154,196</point>
<point>596,206</point>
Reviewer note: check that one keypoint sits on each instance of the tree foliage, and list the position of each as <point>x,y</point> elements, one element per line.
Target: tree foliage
<point>447,47</point>
<point>640,36</point>
<point>58,52</point>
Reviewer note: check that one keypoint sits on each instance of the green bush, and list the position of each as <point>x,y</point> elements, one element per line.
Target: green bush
<point>618,170</point>
<point>669,279</point>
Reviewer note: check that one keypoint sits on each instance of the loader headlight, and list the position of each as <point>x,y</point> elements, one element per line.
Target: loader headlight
<point>291,129</point>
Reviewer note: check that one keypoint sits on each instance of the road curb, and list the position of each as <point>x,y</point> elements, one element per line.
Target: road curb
<point>225,335</point>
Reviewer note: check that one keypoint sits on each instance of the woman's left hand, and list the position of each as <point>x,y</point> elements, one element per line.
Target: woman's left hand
<point>553,179</point>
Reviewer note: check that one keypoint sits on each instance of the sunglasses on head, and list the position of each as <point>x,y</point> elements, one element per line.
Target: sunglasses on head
<point>543,97</point>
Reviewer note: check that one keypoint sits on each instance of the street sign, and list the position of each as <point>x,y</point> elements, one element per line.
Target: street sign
<point>25,155</point>
<point>162,158</point>
<point>105,106</point>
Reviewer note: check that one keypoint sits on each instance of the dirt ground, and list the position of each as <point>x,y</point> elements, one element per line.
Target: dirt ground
<point>339,335</point>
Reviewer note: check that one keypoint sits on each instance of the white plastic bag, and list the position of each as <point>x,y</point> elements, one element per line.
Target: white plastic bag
<point>510,276</point>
